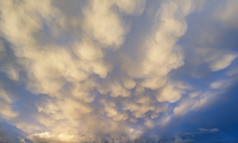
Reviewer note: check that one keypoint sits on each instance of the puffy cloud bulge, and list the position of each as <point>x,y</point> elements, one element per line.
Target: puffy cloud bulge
<point>67,76</point>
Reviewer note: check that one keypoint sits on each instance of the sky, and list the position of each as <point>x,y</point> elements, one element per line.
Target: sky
<point>118,71</point>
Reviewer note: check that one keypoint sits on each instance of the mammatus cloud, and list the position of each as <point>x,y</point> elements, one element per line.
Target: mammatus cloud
<point>72,71</point>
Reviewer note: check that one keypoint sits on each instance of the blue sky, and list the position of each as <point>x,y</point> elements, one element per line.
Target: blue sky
<point>160,71</point>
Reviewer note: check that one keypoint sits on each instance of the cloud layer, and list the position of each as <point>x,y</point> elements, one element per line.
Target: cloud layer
<point>95,71</point>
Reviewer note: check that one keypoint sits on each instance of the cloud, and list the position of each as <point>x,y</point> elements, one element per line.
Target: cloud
<point>223,62</point>
<point>6,108</point>
<point>110,32</point>
<point>225,13</point>
<point>220,84</point>
<point>202,135</point>
<point>77,71</point>
<point>131,7</point>
<point>214,130</point>
<point>9,134</point>
<point>216,60</point>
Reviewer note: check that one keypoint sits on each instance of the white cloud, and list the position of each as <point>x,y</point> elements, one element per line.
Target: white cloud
<point>213,130</point>
<point>216,59</point>
<point>133,7</point>
<point>169,94</point>
<point>75,72</point>
<point>182,108</point>
<point>220,84</point>
<point>103,23</point>
<point>222,62</point>
<point>6,105</point>
<point>194,94</point>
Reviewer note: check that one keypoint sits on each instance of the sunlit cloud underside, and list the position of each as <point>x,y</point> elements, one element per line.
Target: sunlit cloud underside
<point>75,71</point>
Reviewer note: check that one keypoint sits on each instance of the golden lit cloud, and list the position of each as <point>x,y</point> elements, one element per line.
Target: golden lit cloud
<point>96,71</point>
